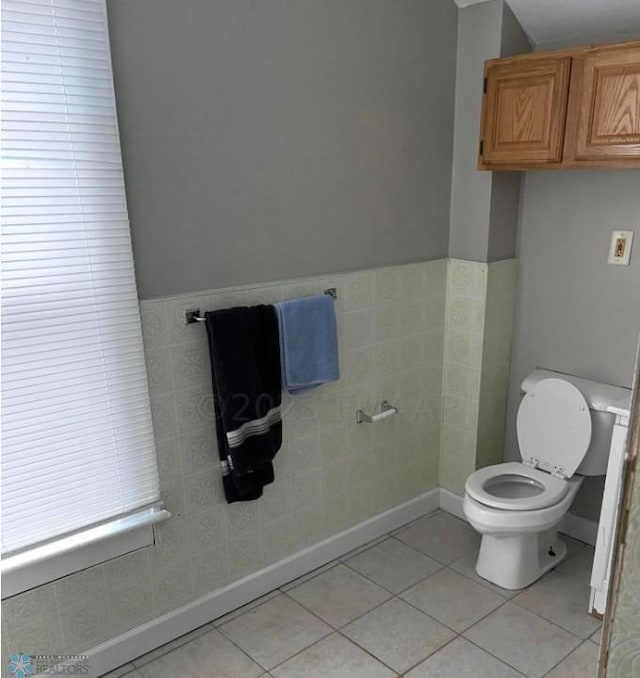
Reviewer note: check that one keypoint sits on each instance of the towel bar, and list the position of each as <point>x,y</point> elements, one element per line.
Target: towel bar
<point>192,315</point>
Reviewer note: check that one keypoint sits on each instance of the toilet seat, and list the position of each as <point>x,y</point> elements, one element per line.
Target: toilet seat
<point>554,433</point>
<point>551,489</point>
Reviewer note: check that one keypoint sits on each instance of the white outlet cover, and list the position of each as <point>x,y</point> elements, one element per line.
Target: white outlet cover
<point>620,248</point>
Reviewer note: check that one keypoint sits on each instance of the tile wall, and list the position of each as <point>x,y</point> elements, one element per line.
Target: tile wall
<point>478,330</point>
<point>500,304</point>
<point>464,327</point>
<point>432,338</point>
<point>331,473</point>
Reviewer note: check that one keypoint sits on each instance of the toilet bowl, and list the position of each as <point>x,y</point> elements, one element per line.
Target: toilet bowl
<point>517,506</point>
<point>518,546</point>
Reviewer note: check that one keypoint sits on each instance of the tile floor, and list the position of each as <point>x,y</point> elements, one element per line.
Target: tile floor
<point>409,604</point>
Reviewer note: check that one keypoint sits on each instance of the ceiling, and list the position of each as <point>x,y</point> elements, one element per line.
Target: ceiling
<point>549,22</point>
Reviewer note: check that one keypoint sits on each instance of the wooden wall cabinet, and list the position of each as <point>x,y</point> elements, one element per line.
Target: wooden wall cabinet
<point>562,109</point>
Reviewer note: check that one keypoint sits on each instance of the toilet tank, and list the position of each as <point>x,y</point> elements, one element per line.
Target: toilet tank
<point>599,397</point>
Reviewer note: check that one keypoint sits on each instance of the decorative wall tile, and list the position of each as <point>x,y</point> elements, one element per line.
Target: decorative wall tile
<point>130,604</point>
<point>154,324</point>
<point>386,285</point>
<point>241,517</point>
<point>358,291</point>
<point>38,634</point>
<point>206,529</point>
<point>159,372</point>
<point>171,542</point>
<point>477,347</point>
<point>171,586</point>
<point>85,623</point>
<point>277,539</point>
<point>210,570</point>
<point>330,473</point>
<point>125,569</point>
<point>245,554</point>
<point>163,413</point>
<point>358,328</point>
<point>40,601</point>
<point>496,361</point>
<point>80,586</point>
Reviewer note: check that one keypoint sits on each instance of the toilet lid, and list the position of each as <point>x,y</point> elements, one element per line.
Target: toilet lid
<point>554,427</point>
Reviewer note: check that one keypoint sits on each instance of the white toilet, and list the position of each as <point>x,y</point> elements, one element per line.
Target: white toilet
<point>564,433</point>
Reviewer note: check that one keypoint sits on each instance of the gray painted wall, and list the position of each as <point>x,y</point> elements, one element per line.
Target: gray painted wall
<point>484,205</point>
<point>268,140</point>
<point>506,186</point>
<point>479,37</point>
<point>576,314</point>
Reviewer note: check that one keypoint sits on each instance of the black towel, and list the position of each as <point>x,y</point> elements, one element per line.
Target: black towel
<point>244,348</point>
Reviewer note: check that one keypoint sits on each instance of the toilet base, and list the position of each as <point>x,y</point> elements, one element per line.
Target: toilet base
<point>513,561</point>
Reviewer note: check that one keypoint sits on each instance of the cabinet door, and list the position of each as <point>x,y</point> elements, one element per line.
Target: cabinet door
<point>605,107</point>
<point>524,112</point>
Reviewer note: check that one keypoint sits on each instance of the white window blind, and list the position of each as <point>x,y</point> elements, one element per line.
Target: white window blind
<point>77,441</point>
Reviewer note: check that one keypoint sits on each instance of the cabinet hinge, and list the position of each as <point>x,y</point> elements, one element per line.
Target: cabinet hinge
<point>481,146</point>
<point>484,86</point>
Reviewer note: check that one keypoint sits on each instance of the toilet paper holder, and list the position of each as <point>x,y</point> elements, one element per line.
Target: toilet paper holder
<point>386,410</point>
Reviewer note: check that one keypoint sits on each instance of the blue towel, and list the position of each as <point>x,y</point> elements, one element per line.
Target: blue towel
<point>308,342</point>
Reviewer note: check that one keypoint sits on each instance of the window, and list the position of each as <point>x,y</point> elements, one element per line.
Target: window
<point>77,439</point>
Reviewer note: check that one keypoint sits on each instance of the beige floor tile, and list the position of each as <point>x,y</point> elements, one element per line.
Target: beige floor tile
<point>394,565</point>
<point>245,608</point>
<point>581,663</point>
<point>364,547</point>
<point>467,567</point>
<point>309,575</point>
<point>398,634</point>
<point>523,640</point>
<point>275,631</point>
<point>578,566</point>
<point>563,600</point>
<point>453,599</point>
<point>597,636</point>
<point>462,659</point>
<point>339,595</point>
<point>441,536</point>
<point>208,656</point>
<point>573,545</point>
<point>411,523</point>
<point>168,647</point>
<point>332,657</point>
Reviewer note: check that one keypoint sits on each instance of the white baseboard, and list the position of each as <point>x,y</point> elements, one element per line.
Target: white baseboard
<point>579,528</point>
<point>161,630</point>
<point>571,525</point>
<point>451,503</point>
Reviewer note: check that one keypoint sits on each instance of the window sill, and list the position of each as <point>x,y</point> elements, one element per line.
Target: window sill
<point>64,556</point>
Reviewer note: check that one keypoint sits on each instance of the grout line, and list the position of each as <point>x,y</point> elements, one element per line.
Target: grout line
<point>551,621</point>
<point>495,656</point>
<point>244,652</point>
<point>315,642</point>
<point>565,657</point>
<point>340,630</point>
<point>413,666</point>
<point>393,593</point>
<point>422,553</point>
<point>449,627</point>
